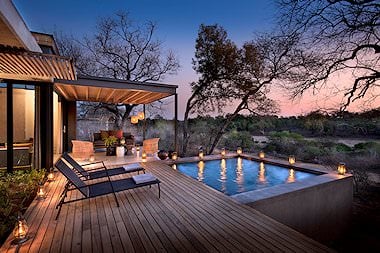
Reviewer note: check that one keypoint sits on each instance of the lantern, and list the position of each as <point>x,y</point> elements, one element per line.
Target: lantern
<point>174,156</point>
<point>174,166</point>
<point>341,168</point>
<point>20,231</point>
<point>137,150</point>
<point>239,151</point>
<point>122,141</point>
<point>200,154</point>
<point>134,119</point>
<point>223,152</point>
<point>50,176</point>
<point>261,154</point>
<point>143,156</point>
<point>141,115</point>
<point>41,194</point>
<point>292,159</point>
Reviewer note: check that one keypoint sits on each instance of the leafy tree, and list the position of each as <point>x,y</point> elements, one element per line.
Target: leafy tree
<point>336,36</point>
<point>123,49</point>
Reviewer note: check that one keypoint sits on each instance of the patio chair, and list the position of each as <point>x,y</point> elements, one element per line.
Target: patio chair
<point>103,188</point>
<point>100,172</point>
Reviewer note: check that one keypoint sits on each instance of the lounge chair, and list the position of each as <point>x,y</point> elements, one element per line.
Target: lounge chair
<point>102,188</point>
<point>101,172</point>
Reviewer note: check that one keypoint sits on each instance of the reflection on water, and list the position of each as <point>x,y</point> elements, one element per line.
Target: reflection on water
<point>201,167</point>
<point>292,176</point>
<point>240,174</point>
<point>262,178</point>
<point>223,174</point>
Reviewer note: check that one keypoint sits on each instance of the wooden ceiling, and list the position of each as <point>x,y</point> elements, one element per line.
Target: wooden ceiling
<point>112,90</point>
<point>32,66</point>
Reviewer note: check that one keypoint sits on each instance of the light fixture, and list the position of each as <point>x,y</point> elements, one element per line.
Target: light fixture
<point>292,159</point>
<point>261,154</point>
<point>41,193</point>
<point>341,168</point>
<point>143,156</point>
<point>174,156</point>
<point>134,119</point>
<point>239,151</point>
<point>141,115</point>
<point>92,158</point>
<point>174,166</point>
<point>50,176</point>
<point>200,154</point>
<point>20,231</point>
<point>223,152</point>
<point>122,141</point>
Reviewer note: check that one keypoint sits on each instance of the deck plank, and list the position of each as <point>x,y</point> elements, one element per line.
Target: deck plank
<point>189,217</point>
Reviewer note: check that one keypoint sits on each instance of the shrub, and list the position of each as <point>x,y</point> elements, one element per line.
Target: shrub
<point>235,139</point>
<point>17,190</point>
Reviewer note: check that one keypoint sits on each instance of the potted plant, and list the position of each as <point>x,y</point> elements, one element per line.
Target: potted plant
<point>109,142</point>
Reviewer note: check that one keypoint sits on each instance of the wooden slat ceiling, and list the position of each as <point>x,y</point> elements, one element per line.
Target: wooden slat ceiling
<point>31,66</point>
<point>108,95</point>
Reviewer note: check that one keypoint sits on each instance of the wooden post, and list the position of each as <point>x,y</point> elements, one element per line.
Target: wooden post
<point>144,123</point>
<point>9,127</point>
<point>176,122</point>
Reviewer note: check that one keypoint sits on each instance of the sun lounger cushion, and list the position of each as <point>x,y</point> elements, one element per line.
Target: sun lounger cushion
<point>144,178</point>
<point>132,167</point>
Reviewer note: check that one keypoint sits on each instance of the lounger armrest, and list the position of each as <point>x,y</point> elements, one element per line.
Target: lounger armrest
<point>86,164</point>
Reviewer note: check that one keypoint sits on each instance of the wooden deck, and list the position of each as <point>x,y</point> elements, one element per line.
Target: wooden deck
<point>189,217</point>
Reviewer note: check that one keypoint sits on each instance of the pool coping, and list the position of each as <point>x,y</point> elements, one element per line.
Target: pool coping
<point>324,176</point>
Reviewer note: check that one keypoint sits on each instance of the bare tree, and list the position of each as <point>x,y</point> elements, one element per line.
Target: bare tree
<point>237,77</point>
<point>121,49</point>
<point>338,36</point>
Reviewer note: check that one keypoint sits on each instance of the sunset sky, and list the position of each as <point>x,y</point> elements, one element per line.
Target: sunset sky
<point>178,23</point>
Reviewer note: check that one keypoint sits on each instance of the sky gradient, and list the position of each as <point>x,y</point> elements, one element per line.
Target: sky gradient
<point>178,23</point>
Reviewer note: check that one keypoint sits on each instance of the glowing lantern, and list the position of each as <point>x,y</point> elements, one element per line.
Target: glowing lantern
<point>122,141</point>
<point>92,158</point>
<point>174,156</point>
<point>239,151</point>
<point>41,194</point>
<point>200,154</point>
<point>50,176</point>
<point>341,168</point>
<point>223,152</point>
<point>20,231</point>
<point>174,166</point>
<point>141,115</point>
<point>292,159</point>
<point>134,119</point>
<point>143,156</point>
<point>261,154</point>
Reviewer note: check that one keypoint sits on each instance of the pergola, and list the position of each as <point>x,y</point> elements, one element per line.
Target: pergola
<point>116,91</point>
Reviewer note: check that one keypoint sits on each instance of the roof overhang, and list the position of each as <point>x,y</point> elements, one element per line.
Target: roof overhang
<point>17,64</point>
<point>14,31</point>
<point>114,91</point>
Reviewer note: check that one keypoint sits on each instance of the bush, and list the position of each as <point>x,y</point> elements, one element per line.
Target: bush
<point>17,190</point>
<point>340,147</point>
<point>235,139</point>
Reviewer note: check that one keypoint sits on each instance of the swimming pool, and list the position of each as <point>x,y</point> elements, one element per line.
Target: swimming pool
<point>237,175</point>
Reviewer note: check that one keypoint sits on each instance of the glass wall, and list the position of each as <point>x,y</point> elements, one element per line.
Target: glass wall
<point>3,125</point>
<point>23,125</point>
